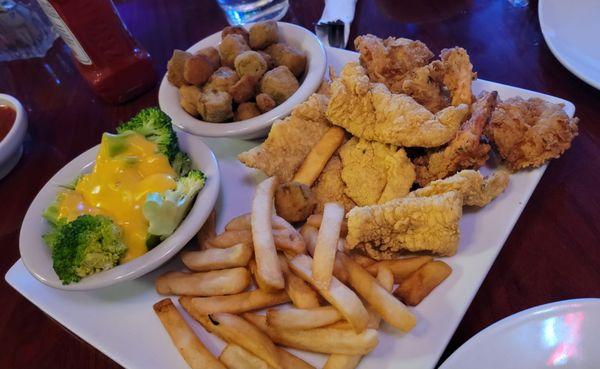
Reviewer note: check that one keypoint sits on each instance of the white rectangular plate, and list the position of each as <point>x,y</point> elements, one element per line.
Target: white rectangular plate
<point>120,322</point>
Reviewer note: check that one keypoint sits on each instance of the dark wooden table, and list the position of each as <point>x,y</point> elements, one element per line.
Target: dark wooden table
<point>552,254</point>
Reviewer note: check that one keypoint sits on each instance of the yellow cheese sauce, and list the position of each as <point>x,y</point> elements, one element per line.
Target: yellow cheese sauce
<point>127,169</point>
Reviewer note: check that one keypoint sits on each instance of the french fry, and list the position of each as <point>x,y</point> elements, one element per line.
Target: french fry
<point>208,230</point>
<point>315,221</point>
<point>257,278</point>
<point>230,238</point>
<point>363,261</point>
<point>215,283</point>
<point>323,340</point>
<point>419,284</point>
<point>195,354</point>
<point>319,155</point>
<point>213,259</point>
<point>265,253</point>
<point>236,330</point>
<point>401,268</point>
<point>337,294</point>
<point>236,304</point>
<point>338,361</point>
<point>341,324</point>
<point>303,318</point>
<point>310,239</point>
<point>301,294</point>
<point>235,357</point>
<point>242,222</point>
<point>383,302</point>
<point>326,248</point>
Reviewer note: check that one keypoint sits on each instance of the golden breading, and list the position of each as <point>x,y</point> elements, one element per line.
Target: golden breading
<point>466,150</point>
<point>329,187</point>
<point>375,173</point>
<point>368,110</point>
<point>458,74</point>
<point>387,61</point>
<point>474,188</point>
<point>527,133</point>
<point>423,85</point>
<point>409,224</point>
<point>283,152</point>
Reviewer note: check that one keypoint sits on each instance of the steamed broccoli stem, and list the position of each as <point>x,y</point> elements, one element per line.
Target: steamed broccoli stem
<point>87,245</point>
<point>164,211</point>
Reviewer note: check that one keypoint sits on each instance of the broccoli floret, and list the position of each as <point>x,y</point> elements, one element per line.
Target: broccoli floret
<point>155,126</point>
<point>164,211</point>
<point>182,164</point>
<point>87,245</point>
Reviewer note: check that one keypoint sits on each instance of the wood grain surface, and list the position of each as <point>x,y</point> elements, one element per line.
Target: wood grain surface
<point>552,254</point>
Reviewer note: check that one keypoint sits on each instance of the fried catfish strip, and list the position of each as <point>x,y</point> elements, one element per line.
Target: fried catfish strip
<point>329,187</point>
<point>387,61</point>
<point>466,150</point>
<point>424,84</point>
<point>457,74</point>
<point>375,173</point>
<point>527,133</point>
<point>409,224</point>
<point>290,140</point>
<point>475,189</point>
<point>369,110</point>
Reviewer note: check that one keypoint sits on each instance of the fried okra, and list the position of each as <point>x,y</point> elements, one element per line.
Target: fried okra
<point>175,67</point>
<point>215,106</point>
<point>197,69</point>
<point>265,102</point>
<point>189,98</point>
<point>221,80</point>
<point>294,201</point>
<point>243,90</point>
<point>232,46</point>
<point>213,56</point>
<point>263,34</point>
<point>279,83</point>
<point>289,56</point>
<point>268,58</point>
<point>245,111</point>
<point>235,30</point>
<point>250,63</point>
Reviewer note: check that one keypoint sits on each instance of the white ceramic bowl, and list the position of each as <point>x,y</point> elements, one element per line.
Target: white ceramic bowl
<point>11,147</point>
<point>299,37</point>
<point>37,256</point>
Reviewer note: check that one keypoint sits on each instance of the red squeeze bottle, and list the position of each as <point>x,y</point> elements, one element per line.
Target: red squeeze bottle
<point>113,63</point>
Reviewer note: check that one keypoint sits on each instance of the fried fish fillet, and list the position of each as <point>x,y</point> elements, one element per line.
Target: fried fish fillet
<point>409,224</point>
<point>466,150</point>
<point>329,187</point>
<point>527,133</point>
<point>375,173</point>
<point>388,61</point>
<point>458,74</point>
<point>424,84</point>
<point>475,189</point>
<point>370,111</point>
<point>290,140</point>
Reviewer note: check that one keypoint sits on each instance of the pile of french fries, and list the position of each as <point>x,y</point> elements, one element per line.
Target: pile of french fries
<point>338,300</point>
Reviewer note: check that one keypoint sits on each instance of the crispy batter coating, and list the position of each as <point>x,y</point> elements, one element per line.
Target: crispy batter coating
<point>284,54</point>
<point>263,34</point>
<point>475,189</point>
<point>265,102</point>
<point>212,54</point>
<point>215,106</point>
<point>458,74</point>
<point>409,224</point>
<point>387,61</point>
<point>329,187</point>
<point>527,133</point>
<point>375,173</point>
<point>250,63</point>
<point>221,80</point>
<point>466,150</point>
<point>279,83</point>
<point>283,152</point>
<point>236,30</point>
<point>368,110</point>
<point>175,67</point>
<point>243,90</point>
<point>424,85</point>
<point>189,98</point>
<point>294,201</point>
<point>245,111</point>
<point>230,47</point>
<point>197,69</point>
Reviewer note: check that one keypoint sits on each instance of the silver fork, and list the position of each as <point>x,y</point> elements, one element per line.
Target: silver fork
<point>334,31</point>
